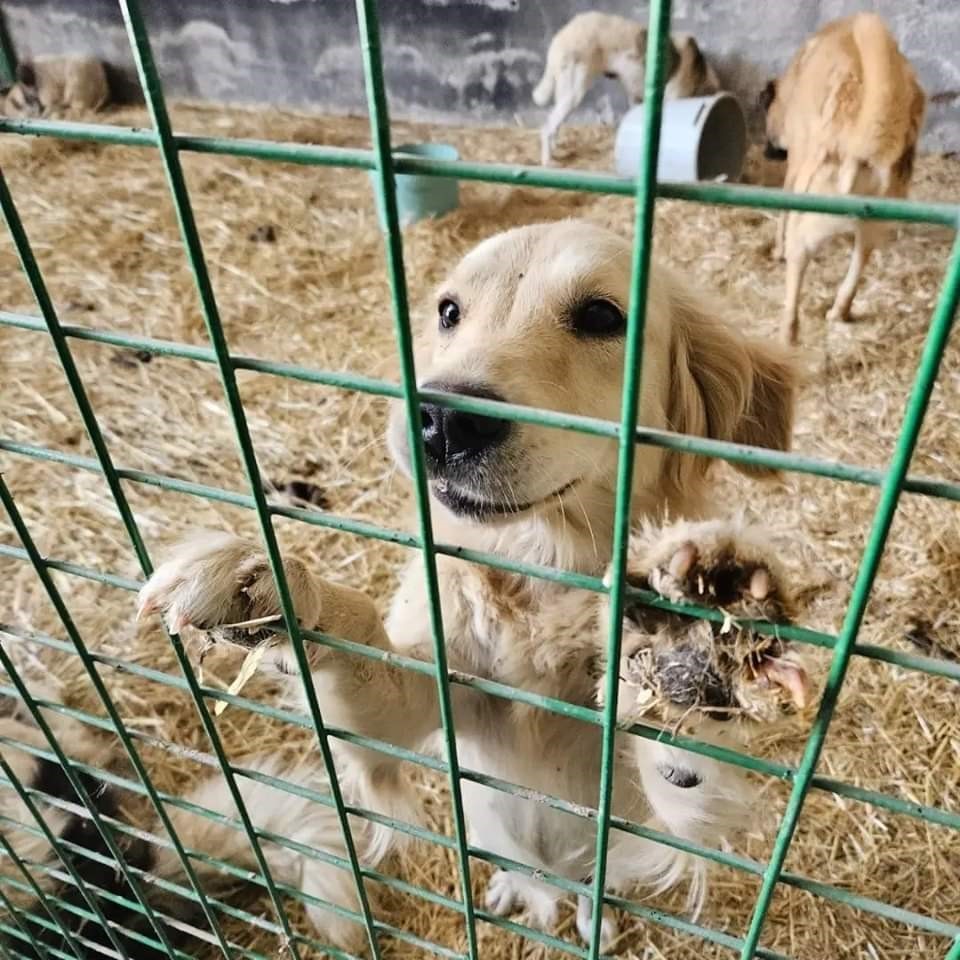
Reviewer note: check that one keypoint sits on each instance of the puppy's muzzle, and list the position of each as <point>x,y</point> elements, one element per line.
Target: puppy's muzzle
<point>452,437</point>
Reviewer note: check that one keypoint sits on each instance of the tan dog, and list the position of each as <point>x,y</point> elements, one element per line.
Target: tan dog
<point>57,87</point>
<point>595,44</point>
<point>848,112</point>
<point>533,316</point>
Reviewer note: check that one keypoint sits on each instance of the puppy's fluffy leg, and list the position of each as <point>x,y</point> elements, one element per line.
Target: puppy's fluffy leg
<point>609,928</point>
<point>214,580</point>
<point>732,568</point>
<point>300,820</point>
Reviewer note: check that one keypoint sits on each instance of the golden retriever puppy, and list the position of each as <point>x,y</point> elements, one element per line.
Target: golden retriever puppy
<point>848,113</point>
<point>535,316</point>
<point>57,87</point>
<point>594,44</point>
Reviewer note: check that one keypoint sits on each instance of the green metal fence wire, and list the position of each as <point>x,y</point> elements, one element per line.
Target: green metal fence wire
<point>20,922</point>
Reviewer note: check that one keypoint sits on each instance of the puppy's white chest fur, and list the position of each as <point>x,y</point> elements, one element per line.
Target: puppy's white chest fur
<point>528,635</point>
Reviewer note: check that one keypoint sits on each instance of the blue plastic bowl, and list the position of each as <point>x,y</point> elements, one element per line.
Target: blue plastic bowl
<point>420,196</point>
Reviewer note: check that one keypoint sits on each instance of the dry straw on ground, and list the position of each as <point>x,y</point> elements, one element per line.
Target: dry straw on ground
<point>296,259</point>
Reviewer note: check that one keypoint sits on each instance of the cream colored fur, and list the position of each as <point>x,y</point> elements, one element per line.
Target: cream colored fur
<point>516,291</point>
<point>57,87</point>
<point>848,111</point>
<point>593,44</point>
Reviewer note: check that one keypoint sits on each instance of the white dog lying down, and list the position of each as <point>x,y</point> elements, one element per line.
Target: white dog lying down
<point>533,316</point>
<point>599,44</point>
<point>57,87</point>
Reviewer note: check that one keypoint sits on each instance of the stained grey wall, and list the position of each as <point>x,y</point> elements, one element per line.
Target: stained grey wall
<point>461,59</point>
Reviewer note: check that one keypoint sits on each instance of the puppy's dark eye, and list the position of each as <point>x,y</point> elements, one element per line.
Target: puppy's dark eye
<point>598,318</point>
<point>449,311</point>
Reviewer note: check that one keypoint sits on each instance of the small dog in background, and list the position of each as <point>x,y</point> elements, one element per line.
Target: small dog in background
<point>57,87</point>
<point>595,43</point>
<point>847,112</point>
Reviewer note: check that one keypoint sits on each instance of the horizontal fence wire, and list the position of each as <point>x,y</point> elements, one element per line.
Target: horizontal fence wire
<point>768,768</point>
<point>380,160</point>
<point>701,446</point>
<point>765,198</point>
<point>923,664</point>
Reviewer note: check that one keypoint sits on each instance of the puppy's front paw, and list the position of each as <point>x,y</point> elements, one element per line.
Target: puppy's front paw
<point>673,660</point>
<point>214,581</point>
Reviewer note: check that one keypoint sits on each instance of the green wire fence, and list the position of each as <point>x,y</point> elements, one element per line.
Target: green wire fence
<point>19,924</point>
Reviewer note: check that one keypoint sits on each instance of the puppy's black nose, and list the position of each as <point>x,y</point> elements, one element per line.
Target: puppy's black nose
<point>453,434</point>
<point>772,152</point>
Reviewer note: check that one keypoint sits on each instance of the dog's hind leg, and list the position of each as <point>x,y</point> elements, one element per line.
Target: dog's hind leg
<point>570,89</point>
<point>798,257</point>
<point>863,245</point>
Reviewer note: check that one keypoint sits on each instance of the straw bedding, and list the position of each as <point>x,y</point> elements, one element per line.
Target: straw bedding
<point>296,260</point>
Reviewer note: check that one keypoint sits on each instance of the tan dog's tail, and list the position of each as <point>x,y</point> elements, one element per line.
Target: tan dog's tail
<point>543,91</point>
<point>878,136</point>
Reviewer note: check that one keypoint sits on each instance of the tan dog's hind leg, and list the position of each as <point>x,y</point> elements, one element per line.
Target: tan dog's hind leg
<point>862,248</point>
<point>798,257</point>
<point>571,87</point>
<point>779,245</point>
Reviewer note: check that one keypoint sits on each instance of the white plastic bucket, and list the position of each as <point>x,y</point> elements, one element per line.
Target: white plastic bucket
<point>701,138</point>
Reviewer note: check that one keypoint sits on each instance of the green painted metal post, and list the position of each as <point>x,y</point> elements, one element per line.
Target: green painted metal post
<point>940,327</point>
<point>386,189</point>
<point>150,83</point>
<point>8,56</point>
<point>659,39</point>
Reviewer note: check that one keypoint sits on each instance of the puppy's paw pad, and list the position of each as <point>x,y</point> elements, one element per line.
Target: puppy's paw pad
<point>719,571</point>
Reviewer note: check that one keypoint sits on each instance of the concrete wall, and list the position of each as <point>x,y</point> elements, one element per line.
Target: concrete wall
<point>461,59</point>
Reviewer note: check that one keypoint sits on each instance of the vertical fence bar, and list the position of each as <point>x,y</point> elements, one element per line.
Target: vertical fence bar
<point>45,303</point>
<point>890,490</point>
<point>658,38</point>
<point>153,94</point>
<point>63,856</point>
<point>8,56</point>
<point>11,911</point>
<point>386,188</point>
<point>41,899</point>
<point>56,599</point>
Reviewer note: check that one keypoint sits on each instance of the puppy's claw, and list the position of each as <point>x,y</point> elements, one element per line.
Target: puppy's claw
<point>760,585</point>
<point>683,560</point>
<point>791,677</point>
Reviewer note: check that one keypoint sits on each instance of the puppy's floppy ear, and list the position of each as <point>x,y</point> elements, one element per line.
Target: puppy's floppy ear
<point>726,387</point>
<point>26,74</point>
<point>767,95</point>
<point>641,42</point>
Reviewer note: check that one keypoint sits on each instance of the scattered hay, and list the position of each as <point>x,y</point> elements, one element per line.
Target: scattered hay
<point>297,264</point>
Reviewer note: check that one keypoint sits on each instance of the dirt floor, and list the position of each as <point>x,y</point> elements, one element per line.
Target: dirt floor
<point>316,293</point>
